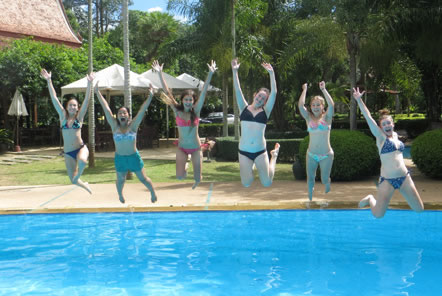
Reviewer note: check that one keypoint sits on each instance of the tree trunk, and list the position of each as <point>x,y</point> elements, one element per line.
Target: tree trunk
<point>91,118</point>
<point>225,104</point>
<point>127,90</point>
<point>352,48</point>
<point>235,105</point>
<point>431,89</point>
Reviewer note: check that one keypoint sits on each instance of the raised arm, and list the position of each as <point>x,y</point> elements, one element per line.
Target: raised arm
<point>374,128</point>
<point>268,107</point>
<point>107,111</point>
<point>212,69</point>
<point>170,100</point>
<point>58,106</point>
<point>242,103</point>
<point>84,107</point>
<point>137,120</point>
<point>330,103</point>
<point>159,68</point>
<point>301,102</point>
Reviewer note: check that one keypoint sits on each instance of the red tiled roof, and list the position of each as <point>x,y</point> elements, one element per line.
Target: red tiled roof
<point>46,20</point>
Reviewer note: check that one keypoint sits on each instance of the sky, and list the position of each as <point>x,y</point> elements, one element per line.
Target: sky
<point>154,5</point>
<point>149,5</point>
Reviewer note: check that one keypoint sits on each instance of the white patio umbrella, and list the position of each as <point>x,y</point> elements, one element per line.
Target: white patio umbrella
<point>197,83</point>
<point>172,82</point>
<point>17,108</point>
<point>111,82</point>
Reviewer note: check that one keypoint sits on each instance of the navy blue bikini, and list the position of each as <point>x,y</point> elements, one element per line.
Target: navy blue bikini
<point>388,147</point>
<point>261,117</point>
<point>75,125</point>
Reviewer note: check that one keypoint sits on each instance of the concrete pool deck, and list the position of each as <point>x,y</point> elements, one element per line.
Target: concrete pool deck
<point>207,196</point>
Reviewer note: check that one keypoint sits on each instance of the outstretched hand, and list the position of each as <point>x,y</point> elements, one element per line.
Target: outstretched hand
<point>45,74</point>
<point>96,89</point>
<point>322,85</point>
<point>357,94</point>
<point>212,66</point>
<point>235,64</point>
<point>156,66</point>
<point>90,77</point>
<point>304,86</point>
<point>268,67</point>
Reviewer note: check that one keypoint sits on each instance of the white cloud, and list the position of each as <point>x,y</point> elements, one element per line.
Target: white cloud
<point>155,9</point>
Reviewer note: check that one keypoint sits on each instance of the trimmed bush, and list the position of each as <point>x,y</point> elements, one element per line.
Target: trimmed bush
<point>214,130</point>
<point>414,127</point>
<point>227,148</point>
<point>426,153</point>
<point>356,155</point>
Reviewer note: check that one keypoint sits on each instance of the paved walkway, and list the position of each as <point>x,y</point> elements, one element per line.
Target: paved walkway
<point>207,196</point>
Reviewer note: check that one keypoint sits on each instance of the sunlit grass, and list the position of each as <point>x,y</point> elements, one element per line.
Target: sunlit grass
<point>53,171</point>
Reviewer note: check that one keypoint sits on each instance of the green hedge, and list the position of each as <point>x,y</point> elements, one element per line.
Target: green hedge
<point>414,127</point>
<point>426,153</point>
<point>227,148</point>
<point>214,130</point>
<point>356,155</point>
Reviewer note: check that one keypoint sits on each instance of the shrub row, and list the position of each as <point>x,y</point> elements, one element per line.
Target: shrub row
<point>227,148</point>
<point>356,155</point>
<point>426,153</point>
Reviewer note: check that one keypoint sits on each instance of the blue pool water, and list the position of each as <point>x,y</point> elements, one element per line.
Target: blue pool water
<point>282,253</point>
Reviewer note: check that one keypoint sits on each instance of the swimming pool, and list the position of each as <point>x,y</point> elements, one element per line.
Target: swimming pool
<point>296,252</point>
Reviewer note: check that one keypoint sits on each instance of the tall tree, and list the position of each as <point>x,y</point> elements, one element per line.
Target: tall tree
<point>127,89</point>
<point>416,26</point>
<point>91,121</point>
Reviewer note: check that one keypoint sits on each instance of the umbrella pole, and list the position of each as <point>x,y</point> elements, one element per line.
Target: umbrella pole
<point>17,145</point>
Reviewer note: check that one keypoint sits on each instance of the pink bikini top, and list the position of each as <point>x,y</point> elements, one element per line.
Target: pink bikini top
<point>322,125</point>
<point>182,122</point>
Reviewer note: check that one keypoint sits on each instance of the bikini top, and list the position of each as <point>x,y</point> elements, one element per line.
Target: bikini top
<point>75,125</point>
<point>246,115</point>
<point>390,146</point>
<point>182,122</point>
<point>129,136</point>
<point>314,126</point>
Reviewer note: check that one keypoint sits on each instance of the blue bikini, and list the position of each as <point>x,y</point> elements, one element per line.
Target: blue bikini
<point>261,117</point>
<point>389,147</point>
<point>75,125</point>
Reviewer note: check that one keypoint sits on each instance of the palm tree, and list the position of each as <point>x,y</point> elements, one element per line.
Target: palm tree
<point>127,90</point>
<point>91,127</point>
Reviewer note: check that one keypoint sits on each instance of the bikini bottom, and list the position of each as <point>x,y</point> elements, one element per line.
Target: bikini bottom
<point>319,157</point>
<point>395,182</point>
<point>252,155</point>
<point>74,153</point>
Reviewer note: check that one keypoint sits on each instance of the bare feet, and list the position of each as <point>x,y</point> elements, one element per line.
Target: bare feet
<point>274,152</point>
<point>153,197</point>
<point>310,193</point>
<point>83,185</point>
<point>122,199</point>
<point>327,186</point>
<point>365,201</point>
<point>196,184</point>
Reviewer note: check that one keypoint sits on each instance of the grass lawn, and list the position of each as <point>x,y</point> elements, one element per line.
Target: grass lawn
<point>53,171</point>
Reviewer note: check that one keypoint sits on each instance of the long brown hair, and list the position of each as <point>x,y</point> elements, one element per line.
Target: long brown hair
<point>66,115</point>
<point>180,106</point>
